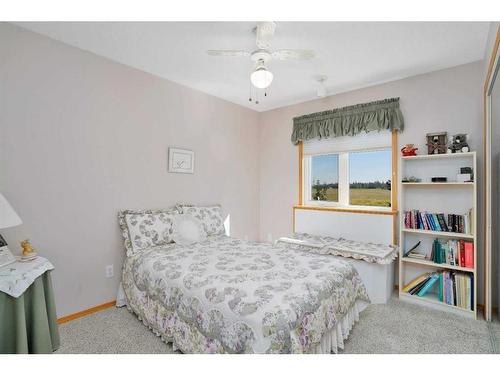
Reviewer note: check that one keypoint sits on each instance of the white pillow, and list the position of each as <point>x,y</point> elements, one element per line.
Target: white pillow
<point>188,230</point>
<point>210,217</point>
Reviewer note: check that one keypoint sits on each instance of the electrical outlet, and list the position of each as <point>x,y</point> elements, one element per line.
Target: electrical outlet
<point>109,271</point>
<point>269,237</point>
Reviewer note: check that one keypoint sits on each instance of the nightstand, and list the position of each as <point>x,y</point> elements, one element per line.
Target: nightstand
<point>28,320</point>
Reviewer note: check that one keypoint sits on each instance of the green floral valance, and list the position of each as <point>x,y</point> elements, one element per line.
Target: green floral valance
<point>352,120</point>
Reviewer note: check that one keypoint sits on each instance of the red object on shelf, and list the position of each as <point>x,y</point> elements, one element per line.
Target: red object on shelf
<point>409,150</point>
<point>469,254</point>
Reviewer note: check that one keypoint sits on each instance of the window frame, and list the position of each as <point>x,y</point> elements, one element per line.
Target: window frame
<point>343,194</point>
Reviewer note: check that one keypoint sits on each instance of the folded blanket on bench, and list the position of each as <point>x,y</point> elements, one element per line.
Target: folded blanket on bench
<point>367,251</point>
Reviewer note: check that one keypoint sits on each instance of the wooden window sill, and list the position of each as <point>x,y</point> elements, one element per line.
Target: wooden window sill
<point>346,209</point>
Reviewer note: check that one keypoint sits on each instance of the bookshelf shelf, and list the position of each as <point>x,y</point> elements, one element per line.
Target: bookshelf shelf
<point>436,265</point>
<point>440,156</point>
<point>438,184</point>
<point>450,197</point>
<point>434,233</point>
<point>432,299</point>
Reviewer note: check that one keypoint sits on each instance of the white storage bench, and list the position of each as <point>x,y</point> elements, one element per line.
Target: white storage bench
<point>378,279</point>
<point>374,262</point>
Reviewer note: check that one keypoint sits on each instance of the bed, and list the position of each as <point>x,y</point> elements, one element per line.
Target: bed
<point>227,295</point>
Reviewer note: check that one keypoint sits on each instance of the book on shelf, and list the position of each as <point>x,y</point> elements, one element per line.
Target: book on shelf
<point>415,282</point>
<point>440,222</point>
<point>417,288</point>
<point>438,252</point>
<point>469,254</point>
<point>416,255</point>
<point>412,253</point>
<point>453,288</point>
<point>440,286</point>
<point>452,252</point>
<point>428,285</point>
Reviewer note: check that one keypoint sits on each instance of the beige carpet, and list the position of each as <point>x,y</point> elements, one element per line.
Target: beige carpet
<point>397,327</point>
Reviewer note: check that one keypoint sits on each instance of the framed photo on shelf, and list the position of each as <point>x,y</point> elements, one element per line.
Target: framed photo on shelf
<point>180,160</point>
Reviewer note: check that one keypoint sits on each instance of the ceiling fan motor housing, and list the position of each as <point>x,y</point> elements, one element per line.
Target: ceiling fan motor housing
<point>260,55</point>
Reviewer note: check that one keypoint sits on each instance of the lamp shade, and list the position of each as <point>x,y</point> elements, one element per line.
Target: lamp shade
<point>261,78</point>
<point>8,217</point>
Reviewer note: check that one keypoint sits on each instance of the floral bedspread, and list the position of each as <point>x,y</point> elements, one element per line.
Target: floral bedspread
<point>227,295</point>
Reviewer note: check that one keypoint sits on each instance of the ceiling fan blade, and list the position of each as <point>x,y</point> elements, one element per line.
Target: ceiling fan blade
<point>293,54</point>
<point>228,52</point>
<point>265,32</point>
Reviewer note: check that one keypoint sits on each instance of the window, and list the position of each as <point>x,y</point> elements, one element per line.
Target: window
<point>370,178</point>
<point>348,172</point>
<point>325,178</point>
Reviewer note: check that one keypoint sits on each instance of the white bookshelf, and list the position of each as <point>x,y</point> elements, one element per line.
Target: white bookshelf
<point>450,197</point>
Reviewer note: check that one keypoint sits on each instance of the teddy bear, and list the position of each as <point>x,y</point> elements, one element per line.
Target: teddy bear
<point>409,150</point>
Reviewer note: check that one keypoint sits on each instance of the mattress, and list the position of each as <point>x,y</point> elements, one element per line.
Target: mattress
<point>227,295</point>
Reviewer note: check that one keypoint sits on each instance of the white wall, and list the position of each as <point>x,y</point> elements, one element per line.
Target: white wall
<point>447,100</point>
<point>82,137</point>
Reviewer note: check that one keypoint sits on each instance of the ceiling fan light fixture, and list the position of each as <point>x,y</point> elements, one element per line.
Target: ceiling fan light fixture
<point>261,78</point>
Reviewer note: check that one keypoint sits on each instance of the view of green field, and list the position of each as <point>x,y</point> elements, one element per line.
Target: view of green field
<point>358,196</point>
<point>371,197</point>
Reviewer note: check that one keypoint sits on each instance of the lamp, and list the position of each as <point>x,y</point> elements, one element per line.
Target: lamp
<point>261,77</point>
<point>8,217</point>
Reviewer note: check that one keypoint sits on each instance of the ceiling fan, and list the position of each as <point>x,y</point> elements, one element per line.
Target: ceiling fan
<point>261,77</point>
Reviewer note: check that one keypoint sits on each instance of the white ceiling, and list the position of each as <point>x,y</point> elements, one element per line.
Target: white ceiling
<point>351,54</point>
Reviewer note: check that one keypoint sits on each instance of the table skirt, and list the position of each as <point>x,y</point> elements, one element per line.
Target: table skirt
<point>28,324</point>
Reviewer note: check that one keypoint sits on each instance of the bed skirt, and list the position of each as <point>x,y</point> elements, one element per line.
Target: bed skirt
<point>331,342</point>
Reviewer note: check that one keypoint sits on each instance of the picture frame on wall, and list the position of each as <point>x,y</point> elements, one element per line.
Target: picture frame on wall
<point>180,160</point>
